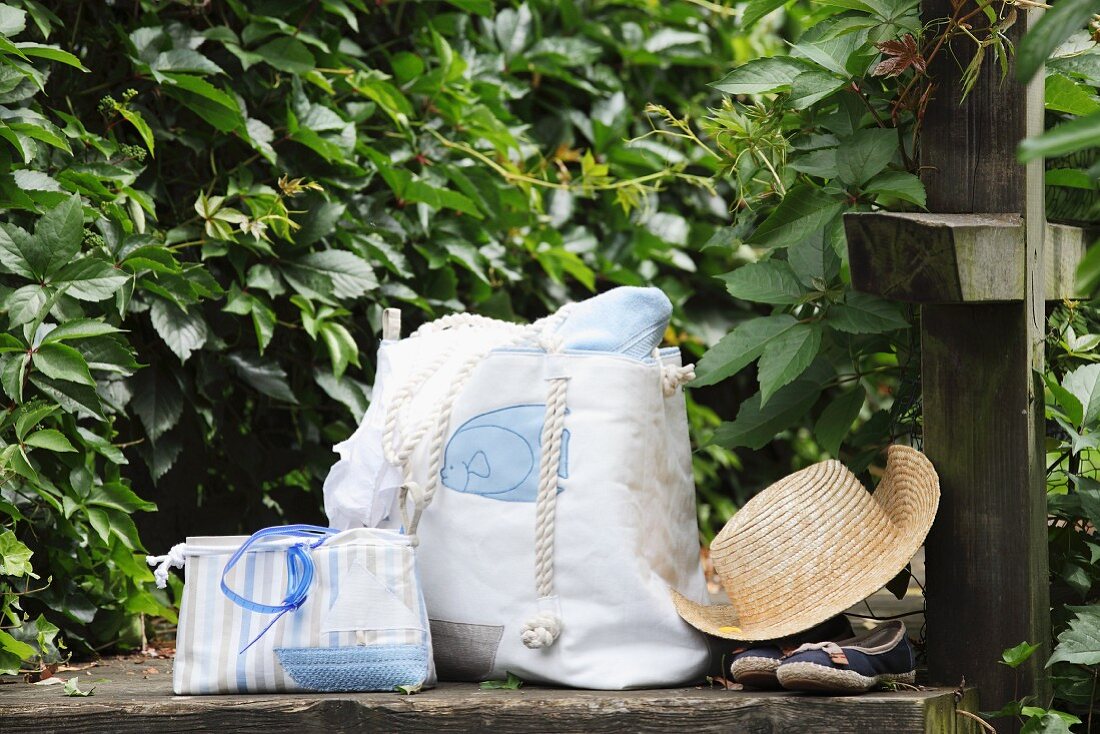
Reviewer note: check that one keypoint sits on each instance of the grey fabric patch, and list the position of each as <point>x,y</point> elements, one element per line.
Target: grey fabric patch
<point>464,652</point>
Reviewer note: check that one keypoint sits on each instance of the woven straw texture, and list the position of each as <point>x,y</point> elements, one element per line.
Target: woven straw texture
<point>813,544</point>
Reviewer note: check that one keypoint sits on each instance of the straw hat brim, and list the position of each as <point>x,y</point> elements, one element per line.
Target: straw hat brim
<point>857,578</point>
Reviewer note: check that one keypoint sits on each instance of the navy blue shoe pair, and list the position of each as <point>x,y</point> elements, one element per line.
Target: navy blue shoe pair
<point>756,666</point>
<point>854,665</point>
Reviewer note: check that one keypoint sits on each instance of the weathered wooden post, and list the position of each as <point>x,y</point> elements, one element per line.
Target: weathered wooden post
<point>981,263</point>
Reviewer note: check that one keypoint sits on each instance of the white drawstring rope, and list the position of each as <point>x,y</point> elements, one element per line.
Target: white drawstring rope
<point>175,558</point>
<point>672,377</point>
<point>543,629</point>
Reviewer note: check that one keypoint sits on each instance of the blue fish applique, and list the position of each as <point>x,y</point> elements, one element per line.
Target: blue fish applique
<point>496,454</point>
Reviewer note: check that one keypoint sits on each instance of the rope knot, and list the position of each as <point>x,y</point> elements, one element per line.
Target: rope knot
<point>175,558</point>
<point>673,377</point>
<point>541,630</point>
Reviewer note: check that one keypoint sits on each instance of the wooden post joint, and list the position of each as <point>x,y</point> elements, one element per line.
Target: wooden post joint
<point>956,258</point>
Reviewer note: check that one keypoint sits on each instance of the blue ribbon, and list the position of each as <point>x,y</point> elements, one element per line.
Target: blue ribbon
<point>299,566</point>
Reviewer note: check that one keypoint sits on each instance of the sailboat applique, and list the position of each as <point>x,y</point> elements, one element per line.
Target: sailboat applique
<point>364,603</point>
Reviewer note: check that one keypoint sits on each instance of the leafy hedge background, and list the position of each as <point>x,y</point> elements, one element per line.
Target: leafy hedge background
<point>206,206</point>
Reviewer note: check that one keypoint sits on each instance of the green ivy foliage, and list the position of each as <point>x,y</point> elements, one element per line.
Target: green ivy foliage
<point>206,206</point>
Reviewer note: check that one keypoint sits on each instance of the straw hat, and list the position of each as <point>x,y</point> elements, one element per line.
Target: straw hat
<point>813,544</point>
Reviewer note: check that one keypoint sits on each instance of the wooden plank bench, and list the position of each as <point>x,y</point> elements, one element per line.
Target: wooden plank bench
<point>130,697</point>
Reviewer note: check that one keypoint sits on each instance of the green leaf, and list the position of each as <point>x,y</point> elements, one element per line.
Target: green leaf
<point>814,261</point>
<point>513,683</point>
<point>49,439</point>
<point>1054,27</point>
<point>15,651</point>
<point>17,251</point>
<point>1080,642</point>
<point>1065,400</point>
<point>1088,272</point>
<point>770,281</point>
<point>1069,137</point>
<point>79,329</point>
<point>72,689</point>
<point>56,239</point>
<point>354,395</point>
<point>786,357</point>
<point>182,331</point>
<point>760,76</point>
<point>210,103</point>
<point>91,279</point>
<point>804,211</point>
<point>12,20</point>
<point>158,402</point>
<point>865,154</point>
<point>264,375</point>
<point>1046,723</point>
<point>15,558</point>
<point>328,273</point>
<point>512,28</point>
<point>62,362</point>
<point>837,419</point>
<point>740,347</point>
<point>898,185</point>
<point>1014,657</point>
<point>29,415</point>
<point>862,313</point>
<point>342,348</point>
<point>1073,98</point>
<point>134,118</point>
<point>53,53</point>
<point>757,9</point>
<point>72,396</point>
<point>1083,383</point>
<point>756,425</point>
<point>287,54</point>
<point>812,86</point>
<point>184,59</point>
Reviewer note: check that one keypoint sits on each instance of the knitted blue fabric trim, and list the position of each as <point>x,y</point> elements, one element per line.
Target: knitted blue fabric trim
<point>358,668</point>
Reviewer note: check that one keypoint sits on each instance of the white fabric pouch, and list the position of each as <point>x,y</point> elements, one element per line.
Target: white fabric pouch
<point>550,488</point>
<point>299,608</point>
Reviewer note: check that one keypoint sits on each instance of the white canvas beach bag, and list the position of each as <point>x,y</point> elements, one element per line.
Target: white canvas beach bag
<point>545,471</point>
<point>299,608</point>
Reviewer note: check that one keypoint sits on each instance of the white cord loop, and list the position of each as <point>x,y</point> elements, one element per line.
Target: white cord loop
<point>175,558</point>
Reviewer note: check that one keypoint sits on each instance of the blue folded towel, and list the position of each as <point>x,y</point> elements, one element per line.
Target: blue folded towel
<point>627,320</point>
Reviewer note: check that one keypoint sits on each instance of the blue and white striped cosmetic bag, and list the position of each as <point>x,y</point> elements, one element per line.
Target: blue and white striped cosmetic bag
<point>299,608</point>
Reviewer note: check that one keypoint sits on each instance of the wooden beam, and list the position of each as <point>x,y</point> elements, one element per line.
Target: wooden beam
<point>956,258</point>
<point>134,695</point>
<point>983,413</point>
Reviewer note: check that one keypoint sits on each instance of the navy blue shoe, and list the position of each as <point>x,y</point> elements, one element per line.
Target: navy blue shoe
<point>755,666</point>
<point>882,655</point>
